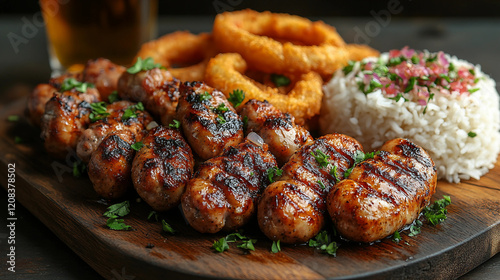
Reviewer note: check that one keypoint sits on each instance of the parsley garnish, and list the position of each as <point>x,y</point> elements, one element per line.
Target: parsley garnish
<point>166,227</point>
<point>205,96</point>
<point>222,244</point>
<point>396,61</point>
<point>415,228</point>
<point>131,111</point>
<point>273,172</point>
<point>221,119</point>
<point>415,59</point>
<point>359,156</point>
<point>137,146</point>
<point>153,214</point>
<point>321,158</point>
<point>114,212</point>
<point>176,124</point>
<point>335,174</point>
<point>276,247</point>
<point>472,90</point>
<point>72,83</point>
<point>236,97</point>
<point>398,97</point>
<point>13,118</point>
<point>431,96</point>
<point>436,213</point>
<point>349,67</point>
<point>322,241</point>
<point>280,80</point>
<point>222,108</point>
<point>117,224</point>
<point>79,169</point>
<point>143,65</point>
<point>472,134</point>
<point>321,184</point>
<point>396,237</point>
<point>98,111</point>
<point>113,97</point>
<point>118,209</point>
<point>411,84</point>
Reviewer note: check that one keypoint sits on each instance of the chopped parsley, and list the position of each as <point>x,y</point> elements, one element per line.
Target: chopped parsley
<point>472,90</point>
<point>436,213</point>
<point>143,65</point>
<point>321,158</point>
<point>415,228</point>
<point>396,237</point>
<point>115,223</point>
<point>359,157</point>
<point>79,169</point>
<point>175,124</point>
<point>273,172</point>
<point>472,134</point>
<point>245,243</point>
<point>349,67</point>
<point>276,247</point>
<point>131,111</point>
<point>221,119</point>
<point>113,97</point>
<point>411,84</point>
<point>166,227</point>
<point>322,242</point>
<point>321,184</point>
<point>205,96</point>
<point>222,108</point>
<point>236,97</point>
<point>137,145</point>
<point>153,214</point>
<point>280,80</point>
<point>335,174</point>
<point>118,209</point>
<point>98,111</point>
<point>72,83</point>
<point>398,97</point>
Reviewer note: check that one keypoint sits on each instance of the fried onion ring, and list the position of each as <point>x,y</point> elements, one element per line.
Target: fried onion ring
<point>183,53</point>
<point>226,72</point>
<point>308,46</point>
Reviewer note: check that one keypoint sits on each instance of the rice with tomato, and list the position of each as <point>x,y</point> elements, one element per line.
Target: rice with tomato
<point>446,105</point>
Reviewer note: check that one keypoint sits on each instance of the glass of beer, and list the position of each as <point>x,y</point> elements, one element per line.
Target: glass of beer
<point>79,30</point>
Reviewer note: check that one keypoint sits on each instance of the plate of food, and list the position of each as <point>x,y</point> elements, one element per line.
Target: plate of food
<point>266,149</point>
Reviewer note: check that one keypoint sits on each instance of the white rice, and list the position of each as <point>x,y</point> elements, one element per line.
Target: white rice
<point>443,130</point>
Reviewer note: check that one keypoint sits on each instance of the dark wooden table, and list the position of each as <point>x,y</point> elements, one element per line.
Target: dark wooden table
<point>39,252</point>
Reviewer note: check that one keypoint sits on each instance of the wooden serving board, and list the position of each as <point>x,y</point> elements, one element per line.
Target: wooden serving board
<point>72,210</point>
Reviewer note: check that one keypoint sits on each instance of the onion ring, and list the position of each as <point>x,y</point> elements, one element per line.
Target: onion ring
<point>178,49</point>
<point>308,46</point>
<point>226,72</point>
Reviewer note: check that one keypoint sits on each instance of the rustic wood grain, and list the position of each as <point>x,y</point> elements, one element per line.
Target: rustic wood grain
<point>72,210</point>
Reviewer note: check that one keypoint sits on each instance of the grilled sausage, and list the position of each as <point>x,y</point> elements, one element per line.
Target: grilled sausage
<point>293,209</point>
<point>224,192</point>
<point>383,194</point>
<point>104,74</point>
<point>109,168</point>
<point>208,120</point>
<point>93,135</point>
<point>278,129</point>
<point>162,167</point>
<point>157,89</point>
<point>66,116</point>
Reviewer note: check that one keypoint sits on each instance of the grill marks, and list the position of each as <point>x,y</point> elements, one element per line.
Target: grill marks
<point>208,129</point>
<point>162,167</point>
<point>383,194</point>
<point>292,209</point>
<point>237,177</point>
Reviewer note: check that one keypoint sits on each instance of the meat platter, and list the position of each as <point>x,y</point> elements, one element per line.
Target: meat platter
<point>73,211</point>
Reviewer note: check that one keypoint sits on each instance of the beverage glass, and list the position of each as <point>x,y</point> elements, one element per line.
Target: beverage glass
<point>79,30</point>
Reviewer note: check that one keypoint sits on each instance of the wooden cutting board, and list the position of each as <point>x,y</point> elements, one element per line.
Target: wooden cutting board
<point>70,208</point>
